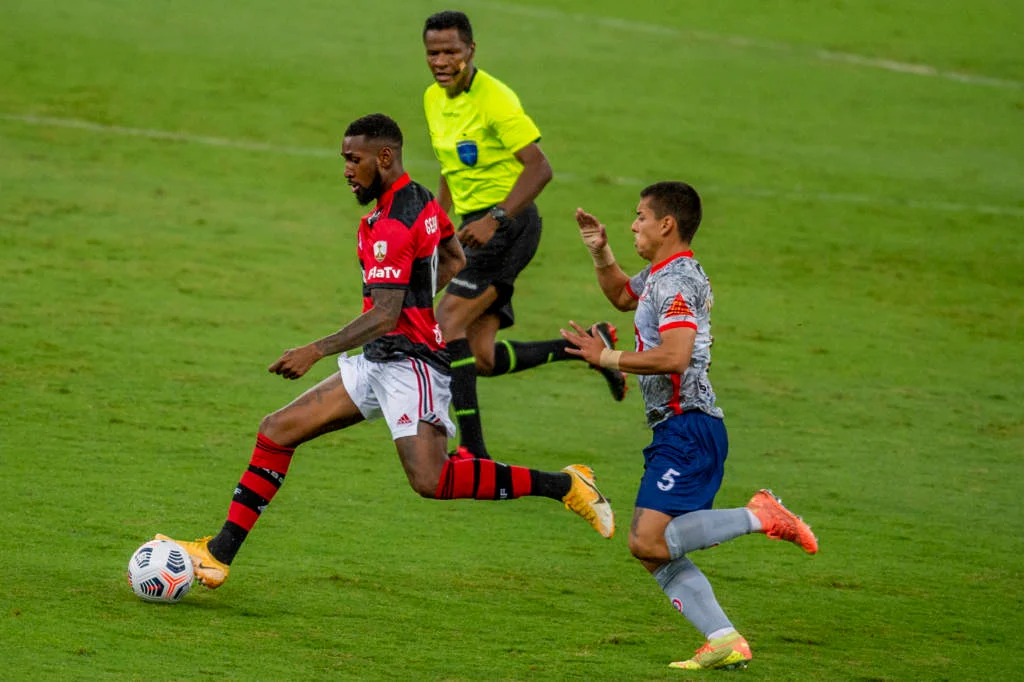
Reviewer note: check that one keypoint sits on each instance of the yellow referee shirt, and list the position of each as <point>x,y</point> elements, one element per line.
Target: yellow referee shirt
<point>475,137</point>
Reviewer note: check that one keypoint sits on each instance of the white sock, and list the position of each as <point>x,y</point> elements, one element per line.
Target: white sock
<point>755,523</point>
<point>721,633</point>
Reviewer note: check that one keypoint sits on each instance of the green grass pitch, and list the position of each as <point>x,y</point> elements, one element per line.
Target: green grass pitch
<point>173,215</point>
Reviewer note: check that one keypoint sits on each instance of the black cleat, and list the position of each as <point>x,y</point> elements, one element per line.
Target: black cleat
<point>615,378</point>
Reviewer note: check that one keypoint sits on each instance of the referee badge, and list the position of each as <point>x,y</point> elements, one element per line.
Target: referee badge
<point>467,152</point>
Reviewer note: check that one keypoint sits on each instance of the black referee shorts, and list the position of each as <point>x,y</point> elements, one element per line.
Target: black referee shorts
<point>499,261</point>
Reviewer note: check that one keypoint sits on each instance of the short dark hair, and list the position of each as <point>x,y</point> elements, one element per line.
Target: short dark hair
<point>678,200</point>
<point>376,127</point>
<point>450,19</point>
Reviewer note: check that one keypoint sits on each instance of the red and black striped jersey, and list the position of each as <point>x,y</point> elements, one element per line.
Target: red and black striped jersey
<point>397,246</point>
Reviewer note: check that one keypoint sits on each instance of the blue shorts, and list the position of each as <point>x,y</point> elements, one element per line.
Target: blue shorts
<point>684,464</point>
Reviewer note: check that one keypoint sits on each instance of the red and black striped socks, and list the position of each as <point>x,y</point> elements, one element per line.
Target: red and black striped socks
<point>259,484</point>
<point>485,479</point>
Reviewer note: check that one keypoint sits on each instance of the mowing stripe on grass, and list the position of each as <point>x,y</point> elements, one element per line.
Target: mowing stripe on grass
<point>848,58</point>
<point>252,146</point>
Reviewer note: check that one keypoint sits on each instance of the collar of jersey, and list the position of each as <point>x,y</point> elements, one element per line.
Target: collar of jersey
<point>681,254</point>
<point>398,184</point>
<point>472,77</point>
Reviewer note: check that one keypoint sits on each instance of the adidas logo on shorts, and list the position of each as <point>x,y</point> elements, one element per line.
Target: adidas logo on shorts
<point>404,420</point>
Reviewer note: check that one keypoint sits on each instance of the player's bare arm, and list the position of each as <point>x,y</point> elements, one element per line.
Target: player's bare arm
<point>377,321</point>
<point>444,196</point>
<point>450,260</point>
<point>612,279</point>
<point>536,174</point>
<point>671,357</point>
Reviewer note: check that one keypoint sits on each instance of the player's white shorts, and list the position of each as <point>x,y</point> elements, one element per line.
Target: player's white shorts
<point>404,392</point>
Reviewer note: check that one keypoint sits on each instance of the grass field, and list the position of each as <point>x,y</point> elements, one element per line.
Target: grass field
<point>173,215</point>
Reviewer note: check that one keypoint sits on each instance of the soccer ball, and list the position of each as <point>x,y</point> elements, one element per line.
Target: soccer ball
<point>160,570</point>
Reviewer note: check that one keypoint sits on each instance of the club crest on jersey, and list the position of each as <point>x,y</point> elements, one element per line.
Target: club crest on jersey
<point>380,250</point>
<point>679,308</point>
<point>468,153</point>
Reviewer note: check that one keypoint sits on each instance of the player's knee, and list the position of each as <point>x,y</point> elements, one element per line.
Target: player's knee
<point>281,429</point>
<point>448,330</point>
<point>484,365</point>
<point>449,320</point>
<point>423,480</point>
<point>455,317</point>
<point>647,548</point>
<point>636,546</point>
<point>425,486</point>
<point>269,427</point>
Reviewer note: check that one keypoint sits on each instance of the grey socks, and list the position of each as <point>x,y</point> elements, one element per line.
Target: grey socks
<point>692,595</point>
<point>680,578</point>
<point>707,528</point>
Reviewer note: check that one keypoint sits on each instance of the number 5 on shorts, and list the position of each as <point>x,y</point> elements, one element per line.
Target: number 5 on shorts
<point>668,480</point>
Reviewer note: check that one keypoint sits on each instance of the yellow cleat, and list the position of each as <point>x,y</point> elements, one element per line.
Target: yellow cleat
<point>779,523</point>
<point>586,500</point>
<point>210,572</point>
<point>724,653</point>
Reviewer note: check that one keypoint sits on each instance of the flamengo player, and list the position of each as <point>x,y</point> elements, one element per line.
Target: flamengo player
<point>406,251</point>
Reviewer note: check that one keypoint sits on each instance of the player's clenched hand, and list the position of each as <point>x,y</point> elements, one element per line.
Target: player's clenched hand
<point>591,231</point>
<point>478,232</point>
<point>587,345</point>
<point>296,361</point>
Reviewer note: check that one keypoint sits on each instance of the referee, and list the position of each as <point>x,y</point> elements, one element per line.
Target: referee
<point>492,170</point>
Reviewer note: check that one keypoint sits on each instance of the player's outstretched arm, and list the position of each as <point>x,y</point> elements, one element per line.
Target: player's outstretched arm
<point>375,322</point>
<point>610,276</point>
<point>450,260</point>
<point>671,357</point>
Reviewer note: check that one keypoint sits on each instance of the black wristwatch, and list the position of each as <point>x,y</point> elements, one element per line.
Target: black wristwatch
<point>500,216</point>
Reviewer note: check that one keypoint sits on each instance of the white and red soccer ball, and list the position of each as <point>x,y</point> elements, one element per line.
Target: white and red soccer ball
<point>160,570</point>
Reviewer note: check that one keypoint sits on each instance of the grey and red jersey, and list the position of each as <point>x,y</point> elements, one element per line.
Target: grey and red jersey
<point>674,293</point>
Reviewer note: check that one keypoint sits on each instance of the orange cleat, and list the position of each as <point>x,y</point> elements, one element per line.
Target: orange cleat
<point>779,523</point>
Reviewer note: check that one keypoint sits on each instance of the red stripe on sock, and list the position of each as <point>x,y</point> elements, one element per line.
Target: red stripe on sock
<point>485,486</point>
<point>259,485</point>
<point>269,445</point>
<point>269,455</point>
<point>242,515</point>
<point>522,484</point>
<point>457,478</point>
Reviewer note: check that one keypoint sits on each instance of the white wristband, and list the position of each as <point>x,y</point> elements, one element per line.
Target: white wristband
<point>603,257</point>
<point>609,358</point>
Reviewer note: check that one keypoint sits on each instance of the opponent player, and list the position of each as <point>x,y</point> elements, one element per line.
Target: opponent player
<point>406,249</point>
<point>492,170</point>
<point>684,464</point>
